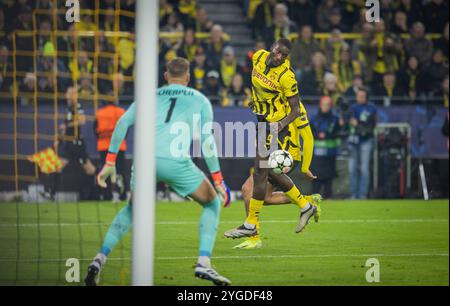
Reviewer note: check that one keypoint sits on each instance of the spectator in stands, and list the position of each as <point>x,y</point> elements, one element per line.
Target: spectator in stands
<point>126,50</point>
<point>442,43</point>
<point>44,37</point>
<point>281,27</point>
<point>188,46</point>
<point>106,119</point>
<point>202,22</point>
<point>86,23</point>
<point>73,147</point>
<point>259,44</point>
<point>263,18</point>
<point>86,89</point>
<point>248,64</point>
<point>411,79</point>
<point>302,12</point>
<point>187,10</point>
<point>237,94</point>
<point>199,69</point>
<point>440,96</point>
<point>331,90</point>
<point>24,21</point>
<point>27,88</point>
<point>400,25</point>
<point>49,66</point>
<point>325,127</point>
<point>212,89</point>
<point>381,54</point>
<point>350,13</point>
<point>66,43</point>
<point>345,69</point>
<point>389,91</point>
<point>334,45</point>
<point>120,89</point>
<point>108,21</point>
<point>435,15</point>
<point>412,9</point>
<point>165,9</point>
<point>359,48</point>
<point>436,71</point>
<point>357,83</point>
<point>362,20</point>
<point>323,14</point>
<point>361,143</point>
<point>173,24</point>
<point>312,77</point>
<point>335,21</point>
<point>214,48</point>
<point>419,46</point>
<point>387,10</point>
<point>6,70</point>
<point>127,23</point>
<point>303,49</point>
<point>228,66</point>
<point>80,65</point>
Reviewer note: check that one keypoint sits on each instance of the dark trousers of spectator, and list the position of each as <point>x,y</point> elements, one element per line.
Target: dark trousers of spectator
<point>327,185</point>
<point>107,193</point>
<point>325,169</point>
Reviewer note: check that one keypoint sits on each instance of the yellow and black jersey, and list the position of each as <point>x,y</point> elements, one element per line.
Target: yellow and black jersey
<point>271,87</point>
<point>292,141</point>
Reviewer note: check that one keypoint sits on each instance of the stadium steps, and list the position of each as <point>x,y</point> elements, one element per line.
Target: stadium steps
<point>229,14</point>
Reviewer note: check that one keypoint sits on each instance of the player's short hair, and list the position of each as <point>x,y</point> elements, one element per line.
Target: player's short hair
<point>178,67</point>
<point>286,43</point>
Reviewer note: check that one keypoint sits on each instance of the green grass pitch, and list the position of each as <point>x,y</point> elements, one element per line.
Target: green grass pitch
<point>410,238</point>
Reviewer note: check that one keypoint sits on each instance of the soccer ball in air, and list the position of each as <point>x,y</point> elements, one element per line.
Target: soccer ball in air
<point>280,161</point>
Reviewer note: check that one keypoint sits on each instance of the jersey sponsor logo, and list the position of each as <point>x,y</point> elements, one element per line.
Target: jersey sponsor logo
<point>176,92</point>
<point>265,80</point>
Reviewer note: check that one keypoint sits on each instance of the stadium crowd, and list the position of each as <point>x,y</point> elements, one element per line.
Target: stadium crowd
<point>394,58</point>
<point>339,59</point>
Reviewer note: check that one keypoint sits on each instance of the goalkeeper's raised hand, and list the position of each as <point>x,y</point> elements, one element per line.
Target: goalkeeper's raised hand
<point>108,170</point>
<point>222,189</point>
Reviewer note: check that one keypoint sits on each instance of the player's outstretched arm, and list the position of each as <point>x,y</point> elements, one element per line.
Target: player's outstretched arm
<point>308,147</point>
<point>209,150</point>
<point>120,132</point>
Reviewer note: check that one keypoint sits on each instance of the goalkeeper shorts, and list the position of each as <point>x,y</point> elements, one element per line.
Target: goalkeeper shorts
<point>182,176</point>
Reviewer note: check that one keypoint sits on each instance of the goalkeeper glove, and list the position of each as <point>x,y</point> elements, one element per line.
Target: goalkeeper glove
<point>222,189</point>
<point>108,170</point>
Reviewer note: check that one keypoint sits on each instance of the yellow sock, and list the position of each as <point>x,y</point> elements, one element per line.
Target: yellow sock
<point>255,207</point>
<point>257,236</point>
<point>309,198</point>
<point>296,197</point>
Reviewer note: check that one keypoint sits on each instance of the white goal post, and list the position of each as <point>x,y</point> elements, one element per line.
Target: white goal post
<point>147,30</point>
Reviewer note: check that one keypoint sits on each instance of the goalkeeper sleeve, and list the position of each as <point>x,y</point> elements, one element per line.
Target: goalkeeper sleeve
<point>122,126</point>
<point>208,143</point>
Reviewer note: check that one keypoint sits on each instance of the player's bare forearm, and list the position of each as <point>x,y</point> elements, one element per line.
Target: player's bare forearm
<point>294,114</point>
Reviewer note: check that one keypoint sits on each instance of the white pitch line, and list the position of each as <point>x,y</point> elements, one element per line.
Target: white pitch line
<point>243,257</point>
<point>341,221</point>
